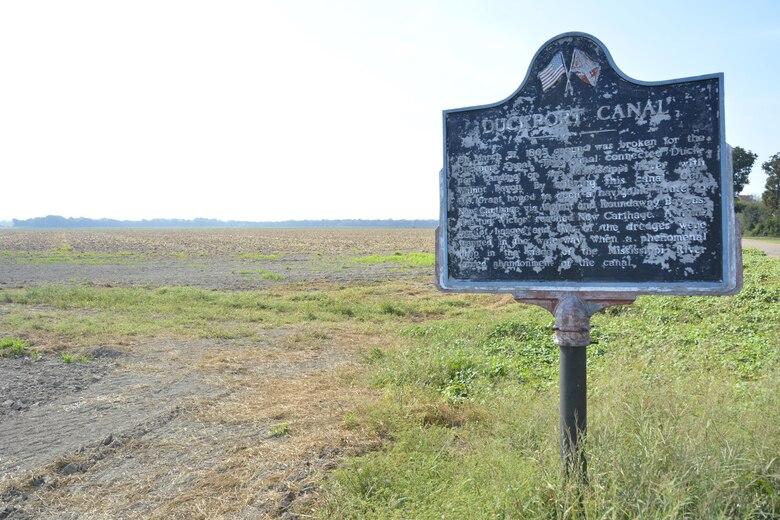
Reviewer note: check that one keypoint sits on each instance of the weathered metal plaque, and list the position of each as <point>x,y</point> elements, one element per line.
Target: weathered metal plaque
<point>587,180</point>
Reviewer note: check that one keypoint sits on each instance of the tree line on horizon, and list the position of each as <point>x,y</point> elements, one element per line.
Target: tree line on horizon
<point>759,216</point>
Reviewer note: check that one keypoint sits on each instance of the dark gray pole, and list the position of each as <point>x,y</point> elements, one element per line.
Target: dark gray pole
<point>574,407</point>
<point>572,334</point>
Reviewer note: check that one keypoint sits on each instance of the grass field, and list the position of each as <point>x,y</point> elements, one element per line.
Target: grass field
<point>683,419</point>
<point>381,397</point>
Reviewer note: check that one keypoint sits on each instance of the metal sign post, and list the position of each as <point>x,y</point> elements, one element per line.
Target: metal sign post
<point>572,334</point>
<point>574,407</point>
<point>583,189</point>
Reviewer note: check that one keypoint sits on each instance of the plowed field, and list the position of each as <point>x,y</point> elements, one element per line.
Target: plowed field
<point>187,373</point>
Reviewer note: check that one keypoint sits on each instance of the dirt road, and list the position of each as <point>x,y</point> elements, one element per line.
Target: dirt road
<point>770,248</point>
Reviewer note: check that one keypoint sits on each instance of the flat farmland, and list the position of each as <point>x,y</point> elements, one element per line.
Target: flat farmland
<point>191,373</point>
<point>318,373</point>
<point>215,259</point>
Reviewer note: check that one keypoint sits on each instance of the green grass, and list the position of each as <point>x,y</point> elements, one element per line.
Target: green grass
<point>403,259</point>
<point>279,431</point>
<point>683,418</point>
<point>73,358</point>
<point>84,315</point>
<point>12,347</point>
<point>68,255</point>
<point>264,275</point>
<point>256,255</point>
<point>17,347</point>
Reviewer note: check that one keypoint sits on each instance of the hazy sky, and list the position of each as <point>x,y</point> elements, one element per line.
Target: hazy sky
<point>274,110</point>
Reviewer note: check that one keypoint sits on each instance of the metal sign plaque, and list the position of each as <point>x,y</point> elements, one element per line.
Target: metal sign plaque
<point>587,180</point>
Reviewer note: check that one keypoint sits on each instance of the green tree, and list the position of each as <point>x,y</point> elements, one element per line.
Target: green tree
<point>743,162</point>
<point>771,195</point>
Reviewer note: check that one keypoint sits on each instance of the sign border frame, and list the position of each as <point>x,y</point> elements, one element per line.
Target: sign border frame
<point>731,281</point>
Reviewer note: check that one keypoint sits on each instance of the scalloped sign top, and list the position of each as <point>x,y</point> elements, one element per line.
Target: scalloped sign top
<point>585,179</point>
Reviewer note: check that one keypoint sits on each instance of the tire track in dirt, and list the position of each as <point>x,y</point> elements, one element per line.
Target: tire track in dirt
<point>119,403</point>
<point>174,426</point>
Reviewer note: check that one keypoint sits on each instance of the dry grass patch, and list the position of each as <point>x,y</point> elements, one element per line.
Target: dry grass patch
<point>267,473</point>
<point>217,458</point>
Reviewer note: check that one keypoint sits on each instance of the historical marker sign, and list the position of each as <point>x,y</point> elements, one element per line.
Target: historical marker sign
<point>587,180</point>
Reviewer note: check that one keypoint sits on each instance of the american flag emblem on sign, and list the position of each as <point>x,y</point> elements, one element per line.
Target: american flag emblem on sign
<point>584,67</point>
<point>554,71</point>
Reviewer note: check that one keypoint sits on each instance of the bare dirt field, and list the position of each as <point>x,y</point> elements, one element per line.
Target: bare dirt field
<point>214,259</point>
<point>182,423</point>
